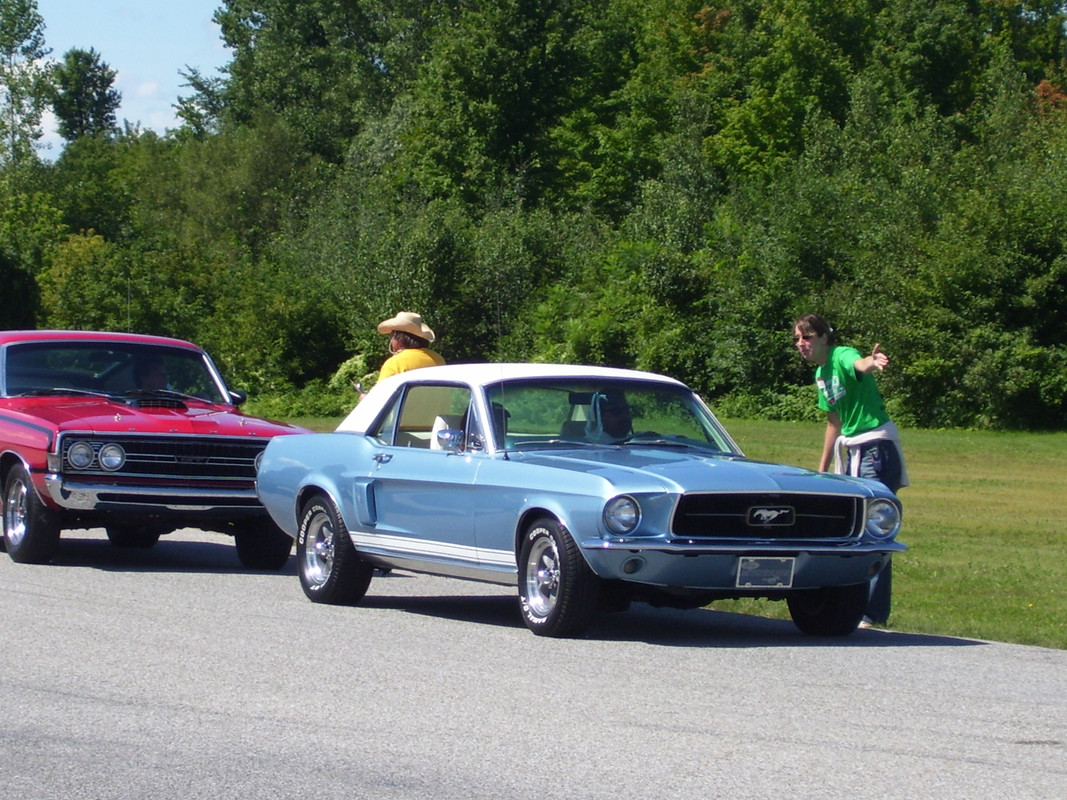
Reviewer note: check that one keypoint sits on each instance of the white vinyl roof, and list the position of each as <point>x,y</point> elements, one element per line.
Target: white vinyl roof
<point>479,375</point>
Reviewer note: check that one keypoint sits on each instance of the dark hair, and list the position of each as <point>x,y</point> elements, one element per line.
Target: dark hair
<point>409,341</point>
<point>812,323</point>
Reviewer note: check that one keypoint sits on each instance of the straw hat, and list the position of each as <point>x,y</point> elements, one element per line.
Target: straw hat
<point>409,322</point>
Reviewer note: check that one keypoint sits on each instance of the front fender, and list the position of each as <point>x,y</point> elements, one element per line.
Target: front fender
<point>296,467</point>
<point>582,519</point>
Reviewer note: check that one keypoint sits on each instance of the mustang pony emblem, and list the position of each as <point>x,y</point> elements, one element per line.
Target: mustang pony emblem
<point>770,516</point>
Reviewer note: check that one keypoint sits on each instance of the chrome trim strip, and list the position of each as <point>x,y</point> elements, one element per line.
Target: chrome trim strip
<point>87,497</point>
<point>735,547</point>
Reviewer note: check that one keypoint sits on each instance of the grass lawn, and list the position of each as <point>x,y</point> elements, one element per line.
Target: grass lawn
<point>988,557</point>
<point>988,554</point>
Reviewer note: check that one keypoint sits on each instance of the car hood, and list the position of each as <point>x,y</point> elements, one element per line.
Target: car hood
<point>688,469</point>
<point>104,416</point>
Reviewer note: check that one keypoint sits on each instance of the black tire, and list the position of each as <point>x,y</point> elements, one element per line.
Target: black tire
<point>31,530</point>
<point>830,611</point>
<point>330,569</point>
<point>132,536</point>
<point>262,545</point>
<point>559,594</point>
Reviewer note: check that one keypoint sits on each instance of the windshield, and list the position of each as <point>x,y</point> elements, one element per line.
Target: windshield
<point>109,368</point>
<point>549,412</point>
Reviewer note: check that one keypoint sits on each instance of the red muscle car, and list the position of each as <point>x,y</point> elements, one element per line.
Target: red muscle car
<point>136,434</point>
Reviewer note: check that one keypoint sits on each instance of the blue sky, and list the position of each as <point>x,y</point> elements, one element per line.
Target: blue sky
<point>146,41</point>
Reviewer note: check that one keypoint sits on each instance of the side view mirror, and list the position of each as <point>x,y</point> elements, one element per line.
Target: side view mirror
<point>450,440</point>
<point>237,397</point>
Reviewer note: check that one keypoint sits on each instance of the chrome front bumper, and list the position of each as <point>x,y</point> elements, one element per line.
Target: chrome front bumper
<point>716,567</point>
<point>88,497</point>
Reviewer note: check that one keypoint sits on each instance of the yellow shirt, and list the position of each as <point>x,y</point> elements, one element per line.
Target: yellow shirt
<point>409,359</point>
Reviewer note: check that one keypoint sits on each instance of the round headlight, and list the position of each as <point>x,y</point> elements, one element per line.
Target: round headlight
<point>883,518</point>
<point>259,460</point>
<point>112,457</point>
<point>622,514</point>
<point>81,455</point>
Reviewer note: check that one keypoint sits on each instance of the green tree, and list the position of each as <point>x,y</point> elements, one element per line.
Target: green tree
<point>85,100</point>
<point>86,286</point>
<point>24,79</point>
<point>203,110</point>
<point>91,283</point>
<point>1034,32</point>
<point>767,67</point>
<point>88,187</point>
<point>608,139</point>
<point>30,225</point>
<point>321,65</point>
<point>497,82</point>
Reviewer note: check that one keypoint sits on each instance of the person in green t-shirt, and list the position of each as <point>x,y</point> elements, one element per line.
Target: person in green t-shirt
<point>860,437</point>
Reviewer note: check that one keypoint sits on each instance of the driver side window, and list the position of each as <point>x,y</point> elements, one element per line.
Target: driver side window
<point>424,410</point>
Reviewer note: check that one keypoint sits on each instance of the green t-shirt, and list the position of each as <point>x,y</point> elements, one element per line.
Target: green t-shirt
<point>855,397</point>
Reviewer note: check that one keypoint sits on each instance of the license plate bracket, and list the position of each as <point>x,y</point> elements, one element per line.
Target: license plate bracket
<point>765,572</point>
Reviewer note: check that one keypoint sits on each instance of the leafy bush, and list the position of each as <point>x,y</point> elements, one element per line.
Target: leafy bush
<point>793,404</point>
<point>315,399</point>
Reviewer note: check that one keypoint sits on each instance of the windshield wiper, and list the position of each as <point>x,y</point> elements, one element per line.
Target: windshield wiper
<point>667,442</point>
<point>534,444</point>
<point>62,390</point>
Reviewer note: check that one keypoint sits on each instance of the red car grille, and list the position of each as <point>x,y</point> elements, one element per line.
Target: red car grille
<point>192,458</point>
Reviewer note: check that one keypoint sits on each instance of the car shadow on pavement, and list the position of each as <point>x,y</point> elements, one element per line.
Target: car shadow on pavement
<point>642,623</point>
<point>173,553</point>
<point>709,627</point>
<point>478,609</point>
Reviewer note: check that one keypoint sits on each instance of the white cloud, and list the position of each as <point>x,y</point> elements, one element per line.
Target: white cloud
<point>147,90</point>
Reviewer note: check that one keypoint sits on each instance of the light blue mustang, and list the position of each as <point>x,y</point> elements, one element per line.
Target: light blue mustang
<point>589,487</point>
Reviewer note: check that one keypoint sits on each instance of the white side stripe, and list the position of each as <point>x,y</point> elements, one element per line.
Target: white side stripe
<point>408,546</point>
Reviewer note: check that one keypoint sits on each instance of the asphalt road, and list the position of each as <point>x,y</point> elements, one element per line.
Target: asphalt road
<point>172,673</point>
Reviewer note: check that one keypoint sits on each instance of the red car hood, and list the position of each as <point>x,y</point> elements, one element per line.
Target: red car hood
<point>99,415</point>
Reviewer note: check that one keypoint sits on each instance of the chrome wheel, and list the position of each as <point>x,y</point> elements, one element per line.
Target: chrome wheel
<point>31,530</point>
<point>15,512</point>
<point>558,593</point>
<point>319,551</point>
<point>542,577</point>
<point>331,571</point>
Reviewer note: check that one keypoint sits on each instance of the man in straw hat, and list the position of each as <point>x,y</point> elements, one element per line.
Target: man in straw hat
<point>409,343</point>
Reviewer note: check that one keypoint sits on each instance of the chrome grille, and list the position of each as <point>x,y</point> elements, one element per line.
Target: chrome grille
<point>737,516</point>
<point>193,458</point>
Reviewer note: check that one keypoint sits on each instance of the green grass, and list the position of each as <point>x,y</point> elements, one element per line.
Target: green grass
<point>320,424</point>
<point>988,557</point>
<point>988,554</point>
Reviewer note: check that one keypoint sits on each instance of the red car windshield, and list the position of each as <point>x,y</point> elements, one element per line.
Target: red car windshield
<point>109,368</point>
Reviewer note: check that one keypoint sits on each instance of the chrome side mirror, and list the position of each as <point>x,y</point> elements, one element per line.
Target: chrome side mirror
<point>450,440</point>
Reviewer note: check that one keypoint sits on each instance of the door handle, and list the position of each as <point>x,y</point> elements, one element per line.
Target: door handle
<point>383,458</point>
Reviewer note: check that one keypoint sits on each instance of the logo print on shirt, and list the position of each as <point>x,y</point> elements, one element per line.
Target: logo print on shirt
<point>836,392</point>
